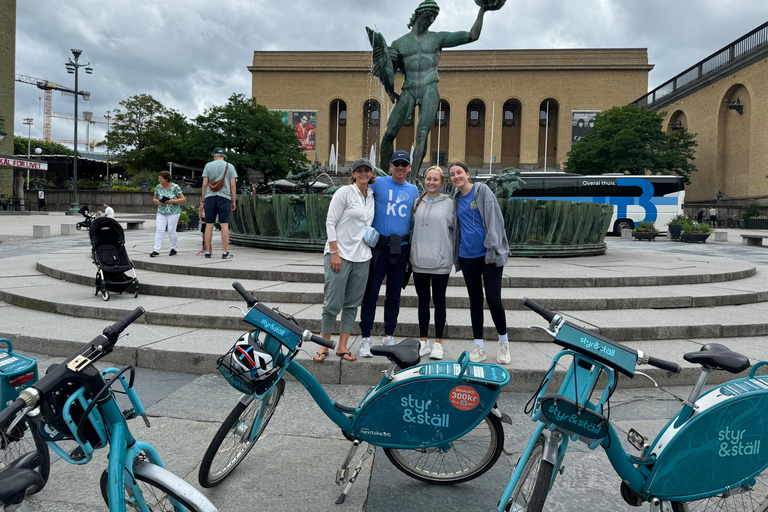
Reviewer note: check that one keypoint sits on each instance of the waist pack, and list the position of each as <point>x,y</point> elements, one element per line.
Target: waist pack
<point>371,237</point>
<point>216,185</point>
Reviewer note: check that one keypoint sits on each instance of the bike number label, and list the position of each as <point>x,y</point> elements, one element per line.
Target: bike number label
<point>464,398</point>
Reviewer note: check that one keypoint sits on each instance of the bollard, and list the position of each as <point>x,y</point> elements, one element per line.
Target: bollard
<point>68,229</point>
<point>721,236</point>
<point>41,231</point>
<point>626,234</point>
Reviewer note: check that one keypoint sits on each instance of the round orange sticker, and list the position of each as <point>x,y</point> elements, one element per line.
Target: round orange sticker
<point>464,398</point>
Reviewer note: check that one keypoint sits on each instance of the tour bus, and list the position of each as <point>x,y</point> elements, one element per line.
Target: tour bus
<point>635,199</point>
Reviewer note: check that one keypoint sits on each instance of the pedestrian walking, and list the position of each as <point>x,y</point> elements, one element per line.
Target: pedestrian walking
<point>432,256</point>
<point>394,198</point>
<point>347,256</point>
<point>480,251</point>
<point>219,198</point>
<point>167,196</point>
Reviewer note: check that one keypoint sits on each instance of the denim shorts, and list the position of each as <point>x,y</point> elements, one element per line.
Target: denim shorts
<point>217,205</point>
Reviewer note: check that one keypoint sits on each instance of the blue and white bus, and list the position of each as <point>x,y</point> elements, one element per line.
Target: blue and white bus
<point>635,199</point>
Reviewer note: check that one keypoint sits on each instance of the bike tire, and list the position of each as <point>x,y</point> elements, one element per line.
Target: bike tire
<point>755,500</point>
<point>459,464</point>
<point>156,495</point>
<point>227,448</point>
<point>24,439</point>
<point>530,493</point>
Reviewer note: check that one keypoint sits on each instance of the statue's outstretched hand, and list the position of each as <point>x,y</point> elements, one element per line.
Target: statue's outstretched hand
<point>491,5</point>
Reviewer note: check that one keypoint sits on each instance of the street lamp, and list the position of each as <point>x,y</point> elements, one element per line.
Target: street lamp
<point>72,69</point>
<point>108,116</point>
<point>28,121</point>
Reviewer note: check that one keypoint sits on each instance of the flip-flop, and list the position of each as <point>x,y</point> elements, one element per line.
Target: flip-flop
<point>347,356</point>
<point>320,356</point>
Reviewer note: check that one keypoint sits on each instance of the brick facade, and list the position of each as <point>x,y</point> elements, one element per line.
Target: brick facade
<point>7,83</point>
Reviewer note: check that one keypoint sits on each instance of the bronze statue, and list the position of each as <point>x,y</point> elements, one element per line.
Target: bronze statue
<point>504,185</point>
<point>417,54</point>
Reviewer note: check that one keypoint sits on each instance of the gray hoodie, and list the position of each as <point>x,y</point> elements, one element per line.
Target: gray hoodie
<point>432,239</point>
<point>496,245</point>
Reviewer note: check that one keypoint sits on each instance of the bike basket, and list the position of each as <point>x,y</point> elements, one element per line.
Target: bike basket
<point>245,378</point>
<point>572,419</point>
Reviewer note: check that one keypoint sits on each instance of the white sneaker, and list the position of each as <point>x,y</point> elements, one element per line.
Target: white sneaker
<point>388,341</point>
<point>437,351</point>
<point>365,348</point>
<point>424,348</point>
<point>503,356</point>
<point>477,354</point>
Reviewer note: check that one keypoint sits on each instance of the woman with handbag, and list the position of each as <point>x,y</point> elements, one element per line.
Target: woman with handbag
<point>480,251</point>
<point>347,255</point>
<point>432,256</point>
<point>167,196</point>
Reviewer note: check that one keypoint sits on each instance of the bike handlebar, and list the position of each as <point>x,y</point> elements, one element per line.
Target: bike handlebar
<point>322,341</point>
<point>10,412</point>
<point>113,331</point>
<point>544,312</point>
<point>664,365</point>
<point>249,299</point>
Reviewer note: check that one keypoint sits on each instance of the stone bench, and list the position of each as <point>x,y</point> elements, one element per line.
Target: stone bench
<point>68,229</point>
<point>753,239</point>
<point>41,231</point>
<point>721,236</point>
<point>132,223</point>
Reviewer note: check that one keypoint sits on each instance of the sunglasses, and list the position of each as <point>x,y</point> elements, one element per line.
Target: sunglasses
<point>401,164</point>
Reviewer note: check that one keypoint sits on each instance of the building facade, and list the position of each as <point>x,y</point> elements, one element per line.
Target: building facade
<point>498,108</point>
<point>7,84</point>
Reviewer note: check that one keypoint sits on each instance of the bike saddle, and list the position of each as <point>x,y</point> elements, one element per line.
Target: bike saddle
<point>18,476</point>
<point>405,354</point>
<point>715,356</point>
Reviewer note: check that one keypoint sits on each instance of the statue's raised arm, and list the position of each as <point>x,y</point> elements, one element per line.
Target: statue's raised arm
<point>384,63</point>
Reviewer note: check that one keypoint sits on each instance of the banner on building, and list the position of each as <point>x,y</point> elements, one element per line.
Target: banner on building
<point>305,124</point>
<point>582,122</point>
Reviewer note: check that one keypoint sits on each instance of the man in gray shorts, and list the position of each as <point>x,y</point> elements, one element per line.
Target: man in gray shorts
<point>220,202</point>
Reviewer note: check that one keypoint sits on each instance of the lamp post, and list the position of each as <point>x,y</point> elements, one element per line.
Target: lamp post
<point>109,117</point>
<point>28,121</point>
<point>72,69</point>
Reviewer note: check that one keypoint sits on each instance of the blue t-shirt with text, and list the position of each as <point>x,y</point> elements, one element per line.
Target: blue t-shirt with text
<point>394,205</point>
<point>472,243</point>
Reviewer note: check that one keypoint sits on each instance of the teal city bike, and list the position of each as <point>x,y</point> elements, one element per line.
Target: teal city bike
<point>710,456</point>
<point>436,422</point>
<point>75,402</point>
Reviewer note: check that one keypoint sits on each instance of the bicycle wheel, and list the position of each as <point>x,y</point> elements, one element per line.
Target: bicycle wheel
<point>156,495</point>
<point>469,456</point>
<point>754,500</point>
<point>230,444</point>
<point>531,490</point>
<point>23,439</point>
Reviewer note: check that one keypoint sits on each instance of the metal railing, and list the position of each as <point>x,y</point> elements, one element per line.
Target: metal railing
<point>739,49</point>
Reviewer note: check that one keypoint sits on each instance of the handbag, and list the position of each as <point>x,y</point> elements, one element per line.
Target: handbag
<point>371,237</point>
<point>216,185</point>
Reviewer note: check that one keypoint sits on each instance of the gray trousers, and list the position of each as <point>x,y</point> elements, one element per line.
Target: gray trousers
<point>343,293</point>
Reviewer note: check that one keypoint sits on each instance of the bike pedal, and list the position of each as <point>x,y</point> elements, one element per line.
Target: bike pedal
<point>637,440</point>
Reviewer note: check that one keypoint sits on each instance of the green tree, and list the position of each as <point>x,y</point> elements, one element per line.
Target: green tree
<point>252,136</point>
<point>630,140</point>
<point>47,147</point>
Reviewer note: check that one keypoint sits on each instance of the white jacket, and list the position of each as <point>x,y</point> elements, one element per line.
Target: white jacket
<point>350,214</point>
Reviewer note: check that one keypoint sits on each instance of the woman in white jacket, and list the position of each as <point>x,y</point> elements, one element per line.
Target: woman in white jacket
<point>347,257</point>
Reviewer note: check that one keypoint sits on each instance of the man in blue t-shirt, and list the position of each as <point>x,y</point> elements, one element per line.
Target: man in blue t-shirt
<point>394,198</point>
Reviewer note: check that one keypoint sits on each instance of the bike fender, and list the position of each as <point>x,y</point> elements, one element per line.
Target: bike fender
<point>175,484</point>
<point>551,448</point>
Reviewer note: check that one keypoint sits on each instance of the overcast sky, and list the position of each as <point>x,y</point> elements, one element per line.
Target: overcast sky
<point>193,54</point>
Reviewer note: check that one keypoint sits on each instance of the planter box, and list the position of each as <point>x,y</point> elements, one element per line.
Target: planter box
<point>757,223</point>
<point>695,237</point>
<point>674,231</point>
<point>644,235</point>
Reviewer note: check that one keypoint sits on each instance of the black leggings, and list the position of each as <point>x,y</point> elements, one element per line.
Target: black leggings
<point>439,285</point>
<point>476,273</point>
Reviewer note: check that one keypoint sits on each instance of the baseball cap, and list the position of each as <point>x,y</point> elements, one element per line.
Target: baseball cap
<point>360,162</point>
<point>218,151</point>
<point>400,155</point>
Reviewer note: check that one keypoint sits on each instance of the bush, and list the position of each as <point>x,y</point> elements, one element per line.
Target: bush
<point>679,219</point>
<point>751,210</point>
<point>691,226</point>
<point>125,188</point>
<point>647,227</point>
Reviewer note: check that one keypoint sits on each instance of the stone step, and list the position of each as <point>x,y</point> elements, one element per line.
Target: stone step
<point>733,292</point>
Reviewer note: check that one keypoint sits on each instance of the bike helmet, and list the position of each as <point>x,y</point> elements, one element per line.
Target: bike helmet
<point>249,357</point>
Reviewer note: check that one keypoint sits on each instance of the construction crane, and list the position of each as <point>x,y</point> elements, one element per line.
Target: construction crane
<point>49,87</point>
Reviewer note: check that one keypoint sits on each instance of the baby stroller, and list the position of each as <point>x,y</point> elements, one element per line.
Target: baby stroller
<point>110,256</point>
<point>89,217</point>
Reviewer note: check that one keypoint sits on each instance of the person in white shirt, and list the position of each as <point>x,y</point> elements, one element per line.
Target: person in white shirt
<point>108,211</point>
<point>347,256</point>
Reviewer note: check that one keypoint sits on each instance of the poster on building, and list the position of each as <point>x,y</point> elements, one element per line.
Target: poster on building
<point>582,122</point>
<point>285,115</point>
<point>305,124</point>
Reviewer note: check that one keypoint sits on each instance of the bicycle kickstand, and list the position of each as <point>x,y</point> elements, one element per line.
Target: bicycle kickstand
<point>358,468</point>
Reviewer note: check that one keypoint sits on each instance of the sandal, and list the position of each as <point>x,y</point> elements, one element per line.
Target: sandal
<point>346,356</point>
<point>320,356</point>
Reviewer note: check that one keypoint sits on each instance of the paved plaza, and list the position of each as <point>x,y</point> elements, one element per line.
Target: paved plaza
<point>659,292</point>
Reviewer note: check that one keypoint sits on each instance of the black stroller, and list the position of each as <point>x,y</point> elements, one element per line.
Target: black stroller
<point>110,256</point>
<point>89,217</point>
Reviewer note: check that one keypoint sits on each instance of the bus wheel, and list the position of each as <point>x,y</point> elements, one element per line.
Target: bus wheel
<point>622,224</point>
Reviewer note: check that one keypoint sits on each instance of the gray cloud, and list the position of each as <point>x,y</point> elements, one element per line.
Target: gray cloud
<point>193,54</point>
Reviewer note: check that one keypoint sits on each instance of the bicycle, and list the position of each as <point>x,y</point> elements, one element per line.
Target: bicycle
<point>709,454</point>
<point>437,422</point>
<point>17,373</point>
<point>75,402</point>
